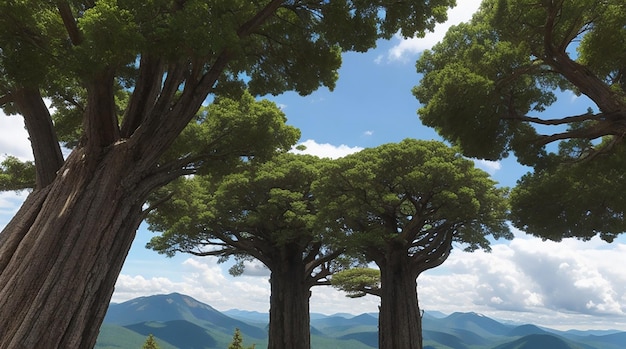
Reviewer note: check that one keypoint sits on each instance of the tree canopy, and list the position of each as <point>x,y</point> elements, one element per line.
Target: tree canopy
<point>256,211</point>
<point>412,193</point>
<point>487,88</point>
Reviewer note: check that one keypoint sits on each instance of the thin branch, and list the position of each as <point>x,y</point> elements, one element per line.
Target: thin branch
<point>594,132</point>
<point>7,98</point>
<point>310,267</point>
<point>70,23</point>
<point>153,206</point>
<point>556,122</point>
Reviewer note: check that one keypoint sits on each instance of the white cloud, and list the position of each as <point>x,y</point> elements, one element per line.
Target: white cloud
<point>14,140</point>
<point>570,284</point>
<point>202,279</point>
<point>368,133</point>
<point>488,166</point>
<point>461,13</point>
<point>325,150</point>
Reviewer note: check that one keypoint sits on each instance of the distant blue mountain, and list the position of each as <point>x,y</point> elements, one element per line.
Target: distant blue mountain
<point>179,321</point>
<point>180,333</point>
<point>526,330</point>
<point>476,323</point>
<point>175,306</point>
<point>537,341</point>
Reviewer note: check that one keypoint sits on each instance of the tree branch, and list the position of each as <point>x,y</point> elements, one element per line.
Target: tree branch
<point>101,125</point>
<point>70,23</point>
<point>556,122</point>
<point>43,139</point>
<point>144,95</point>
<point>435,252</point>
<point>7,98</point>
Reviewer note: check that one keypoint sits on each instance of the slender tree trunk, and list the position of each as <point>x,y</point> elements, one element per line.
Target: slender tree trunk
<point>289,303</point>
<point>61,254</point>
<point>399,321</point>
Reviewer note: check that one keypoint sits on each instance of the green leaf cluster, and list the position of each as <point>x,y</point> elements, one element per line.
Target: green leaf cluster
<point>357,282</point>
<point>580,199</point>
<point>150,343</point>
<point>255,211</point>
<point>484,80</point>
<point>229,131</point>
<point>16,174</point>
<point>398,192</point>
<point>237,342</point>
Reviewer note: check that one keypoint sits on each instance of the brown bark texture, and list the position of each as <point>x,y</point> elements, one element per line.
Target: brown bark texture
<point>289,325</point>
<point>399,319</point>
<point>61,254</point>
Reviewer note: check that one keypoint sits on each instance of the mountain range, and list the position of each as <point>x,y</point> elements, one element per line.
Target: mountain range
<point>179,321</point>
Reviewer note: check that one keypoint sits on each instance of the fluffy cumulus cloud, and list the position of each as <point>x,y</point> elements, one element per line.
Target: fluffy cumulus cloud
<point>408,48</point>
<point>565,284</point>
<point>325,150</point>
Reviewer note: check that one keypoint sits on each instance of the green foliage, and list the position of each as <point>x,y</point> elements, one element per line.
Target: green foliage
<point>296,46</point>
<point>399,193</point>
<point>263,207</point>
<point>485,80</point>
<point>229,130</point>
<point>16,174</point>
<point>150,343</point>
<point>238,341</point>
<point>580,199</point>
<point>357,282</point>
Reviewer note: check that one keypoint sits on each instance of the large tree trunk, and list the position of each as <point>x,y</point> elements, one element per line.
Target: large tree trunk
<point>289,303</point>
<point>61,254</point>
<point>399,321</point>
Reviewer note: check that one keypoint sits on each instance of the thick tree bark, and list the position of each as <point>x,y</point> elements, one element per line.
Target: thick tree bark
<point>399,321</point>
<point>61,254</point>
<point>289,303</point>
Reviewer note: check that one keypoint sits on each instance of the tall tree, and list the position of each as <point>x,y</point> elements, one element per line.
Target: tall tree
<point>403,205</point>
<point>237,342</point>
<point>126,78</point>
<point>267,212</point>
<point>150,343</point>
<point>487,87</point>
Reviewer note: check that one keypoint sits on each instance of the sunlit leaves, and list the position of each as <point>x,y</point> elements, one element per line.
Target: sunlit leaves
<point>263,207</point>
<point>16,174</point>
<point>485,79</point>
<point>357,282</point>
<point>230,130</point>
<point>397,192</point>
<point>111,36</point>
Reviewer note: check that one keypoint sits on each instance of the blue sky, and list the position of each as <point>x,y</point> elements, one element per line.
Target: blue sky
<point>571,284</point>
